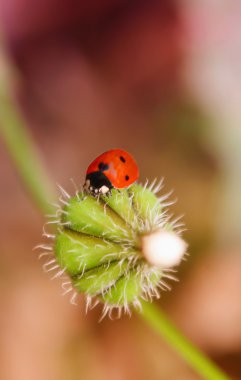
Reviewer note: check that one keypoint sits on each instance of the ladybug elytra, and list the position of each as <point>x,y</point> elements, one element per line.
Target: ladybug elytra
<point>115,168</point>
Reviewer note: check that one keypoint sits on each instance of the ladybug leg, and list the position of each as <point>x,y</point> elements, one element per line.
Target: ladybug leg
<point>87,186</point>
<point>94,192</point>
<point>108,194</point>
<point>88,189</point>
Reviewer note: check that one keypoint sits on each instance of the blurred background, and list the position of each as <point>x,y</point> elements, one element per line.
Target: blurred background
<point>161,79</point>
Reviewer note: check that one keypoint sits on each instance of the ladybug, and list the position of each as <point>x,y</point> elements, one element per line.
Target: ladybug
<point>115,168</point>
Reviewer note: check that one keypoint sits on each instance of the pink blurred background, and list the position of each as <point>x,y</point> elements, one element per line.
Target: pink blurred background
<point>163,81</point>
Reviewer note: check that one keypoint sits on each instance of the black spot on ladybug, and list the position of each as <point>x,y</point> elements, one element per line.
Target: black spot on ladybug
<point>102,166</point>
<point>127,178</point>
<point>122,159</point>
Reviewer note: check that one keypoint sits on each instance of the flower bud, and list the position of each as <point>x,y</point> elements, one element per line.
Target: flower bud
<point>117,249</point>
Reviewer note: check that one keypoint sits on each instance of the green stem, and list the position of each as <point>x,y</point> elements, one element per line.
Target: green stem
<point>23,152</point>
<point>196,359</point>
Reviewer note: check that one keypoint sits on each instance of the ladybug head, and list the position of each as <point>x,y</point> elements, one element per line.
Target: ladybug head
<point>97,183</point>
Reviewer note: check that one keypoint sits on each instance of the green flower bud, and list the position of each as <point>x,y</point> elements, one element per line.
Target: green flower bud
<point>116,249</point>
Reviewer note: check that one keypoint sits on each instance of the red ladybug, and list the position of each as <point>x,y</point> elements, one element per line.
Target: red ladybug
<point>115,168</point>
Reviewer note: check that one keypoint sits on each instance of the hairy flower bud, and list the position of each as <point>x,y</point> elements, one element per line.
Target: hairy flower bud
<point>116,249</point>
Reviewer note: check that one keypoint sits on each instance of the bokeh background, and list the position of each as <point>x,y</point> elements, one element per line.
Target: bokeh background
<point>161,79</point>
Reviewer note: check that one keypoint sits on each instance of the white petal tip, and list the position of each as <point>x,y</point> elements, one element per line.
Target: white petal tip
<point>163,248</point>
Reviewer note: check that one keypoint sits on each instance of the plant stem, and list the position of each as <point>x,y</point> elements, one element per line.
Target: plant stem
<point>166,329</point>
<point>25,156</point>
